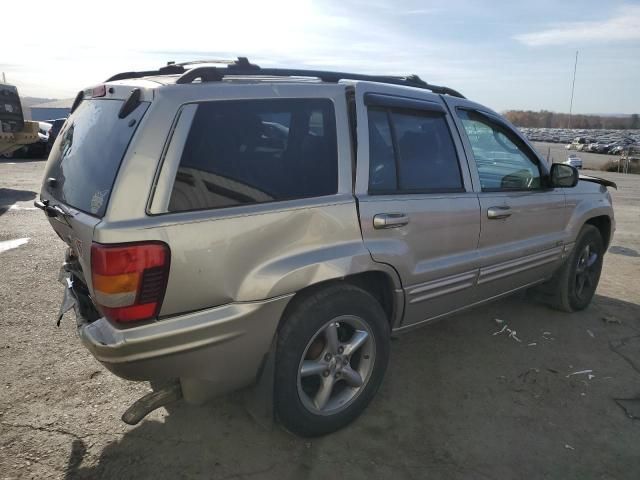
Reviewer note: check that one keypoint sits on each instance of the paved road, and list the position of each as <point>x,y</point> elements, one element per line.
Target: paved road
<point>457,403</point>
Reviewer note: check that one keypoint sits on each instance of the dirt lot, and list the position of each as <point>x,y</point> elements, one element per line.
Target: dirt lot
<point>457,402</point>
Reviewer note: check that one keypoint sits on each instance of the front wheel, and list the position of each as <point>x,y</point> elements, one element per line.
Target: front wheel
<point>575,283</point>
<point>332,354</point>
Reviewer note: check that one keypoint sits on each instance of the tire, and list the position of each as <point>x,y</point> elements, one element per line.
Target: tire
<point>325,338</point>
<point>566,293</point>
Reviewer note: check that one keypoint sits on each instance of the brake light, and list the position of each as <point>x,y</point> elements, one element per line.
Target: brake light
<point>99,91</point>
<point>129,280</point>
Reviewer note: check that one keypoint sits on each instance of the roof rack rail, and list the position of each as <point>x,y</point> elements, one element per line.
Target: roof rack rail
<point>242,67</point>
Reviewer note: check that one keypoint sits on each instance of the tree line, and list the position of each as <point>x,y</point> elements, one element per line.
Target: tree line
<point>546,119</point>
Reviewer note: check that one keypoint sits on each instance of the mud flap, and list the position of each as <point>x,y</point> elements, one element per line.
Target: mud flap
<point>258,399</point>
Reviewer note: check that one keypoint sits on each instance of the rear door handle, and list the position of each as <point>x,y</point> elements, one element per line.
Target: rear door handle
<point>390,220</point>
<point>498,212</point>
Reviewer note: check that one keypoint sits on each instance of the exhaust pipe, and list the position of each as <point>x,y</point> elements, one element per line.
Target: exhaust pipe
<point>151,401</point>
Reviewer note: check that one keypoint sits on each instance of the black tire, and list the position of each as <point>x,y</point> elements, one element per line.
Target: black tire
<point>302,324</point>
<point>564,289</point>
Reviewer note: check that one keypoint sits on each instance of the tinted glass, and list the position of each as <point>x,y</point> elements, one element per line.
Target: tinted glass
<point>85,159</point>
<point>256,151</point>
<point>427,155</point>
<point>421,143</point>
<point>503,163</point>
<point>382,165</point>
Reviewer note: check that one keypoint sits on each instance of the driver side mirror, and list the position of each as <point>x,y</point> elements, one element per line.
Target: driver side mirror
<point>563,176</point>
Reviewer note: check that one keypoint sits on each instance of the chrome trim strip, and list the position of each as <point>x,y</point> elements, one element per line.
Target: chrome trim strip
<point>442,286</point>
<point>411,326</point>
<point>511,267</point>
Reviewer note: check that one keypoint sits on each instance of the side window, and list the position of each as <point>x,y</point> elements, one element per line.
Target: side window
<point>411,151</point>
<point>502,160</point>
<point>255,151</point>
<point>382,164</point>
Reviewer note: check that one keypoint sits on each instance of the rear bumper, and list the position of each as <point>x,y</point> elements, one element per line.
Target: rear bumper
<point>223,346</point>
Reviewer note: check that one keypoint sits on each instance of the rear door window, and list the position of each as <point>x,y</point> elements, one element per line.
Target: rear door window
<point>242,152</point>
<point>85,159</point>
<point>411,151</point>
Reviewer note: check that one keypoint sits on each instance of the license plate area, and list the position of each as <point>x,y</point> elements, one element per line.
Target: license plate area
<point>76,296</point>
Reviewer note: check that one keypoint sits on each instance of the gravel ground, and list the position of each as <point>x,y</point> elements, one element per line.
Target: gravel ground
<point>457,402</point>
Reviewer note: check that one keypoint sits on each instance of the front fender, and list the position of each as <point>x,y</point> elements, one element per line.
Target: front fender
<point>585,202</point>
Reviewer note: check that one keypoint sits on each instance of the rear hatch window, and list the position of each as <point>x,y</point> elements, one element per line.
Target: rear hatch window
<point>84,161</point>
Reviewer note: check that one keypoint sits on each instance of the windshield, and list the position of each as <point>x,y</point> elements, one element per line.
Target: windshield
<point>85,159</point>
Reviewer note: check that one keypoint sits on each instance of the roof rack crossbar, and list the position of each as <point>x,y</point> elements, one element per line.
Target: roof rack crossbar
<point>243,68</point>
<point>170,69</point>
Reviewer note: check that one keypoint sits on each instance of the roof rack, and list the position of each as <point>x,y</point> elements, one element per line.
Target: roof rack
<point>242,67</point>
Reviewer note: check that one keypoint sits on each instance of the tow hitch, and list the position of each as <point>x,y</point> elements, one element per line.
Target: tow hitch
<point>147,404</point>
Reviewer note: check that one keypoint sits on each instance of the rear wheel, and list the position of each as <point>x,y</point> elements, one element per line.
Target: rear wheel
<point>574,286</point>
<point>332,354</point>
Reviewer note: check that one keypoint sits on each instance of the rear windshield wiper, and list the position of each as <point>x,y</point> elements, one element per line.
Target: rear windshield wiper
<point>57,211</point>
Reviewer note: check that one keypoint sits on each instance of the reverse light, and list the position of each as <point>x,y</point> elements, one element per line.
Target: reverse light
<point>129,280</point>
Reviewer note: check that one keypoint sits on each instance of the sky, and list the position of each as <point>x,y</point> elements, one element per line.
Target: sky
<point>504,54</point>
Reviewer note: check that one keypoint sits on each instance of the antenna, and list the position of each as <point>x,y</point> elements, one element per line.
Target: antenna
<point>573,86</point>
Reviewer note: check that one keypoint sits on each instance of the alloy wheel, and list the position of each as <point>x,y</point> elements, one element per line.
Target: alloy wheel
<point>336,365</point>
<point>586,271</point>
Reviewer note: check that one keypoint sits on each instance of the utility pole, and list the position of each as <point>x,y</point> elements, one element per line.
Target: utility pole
<point>4,79</point>
<point>573,86</point>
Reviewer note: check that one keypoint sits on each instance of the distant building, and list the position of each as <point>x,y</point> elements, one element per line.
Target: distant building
<point>51,110</point>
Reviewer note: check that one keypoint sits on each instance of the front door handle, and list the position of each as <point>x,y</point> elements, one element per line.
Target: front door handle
<point>498,212</point>
<point>390,220</point>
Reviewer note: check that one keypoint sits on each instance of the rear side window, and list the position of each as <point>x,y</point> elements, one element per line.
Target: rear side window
<point>411,151</point>
<point>85,159</point>
<point>256,151</point>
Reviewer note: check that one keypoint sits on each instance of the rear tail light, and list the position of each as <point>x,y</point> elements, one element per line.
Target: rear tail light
<point>129,280</point>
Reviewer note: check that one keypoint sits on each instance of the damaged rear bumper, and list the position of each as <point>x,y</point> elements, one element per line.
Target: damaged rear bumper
<point>221,348</point>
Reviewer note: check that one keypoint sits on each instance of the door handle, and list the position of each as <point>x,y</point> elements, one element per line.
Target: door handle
<point>390,220</point>
<point>498,212</point>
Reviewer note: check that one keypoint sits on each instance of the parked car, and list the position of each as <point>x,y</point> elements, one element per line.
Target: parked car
<point>15,131</point>
<point>37,149</point>
<point>254,226</point>
<point>11,116</point>
<point>574,161</point>
<point>616,149</point>
<point>56,125</point>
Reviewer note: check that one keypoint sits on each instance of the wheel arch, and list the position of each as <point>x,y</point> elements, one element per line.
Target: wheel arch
<point>383,284</point>
<point>603,224</point>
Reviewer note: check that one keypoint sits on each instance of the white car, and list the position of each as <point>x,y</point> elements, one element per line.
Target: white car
<point>574,161</point>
